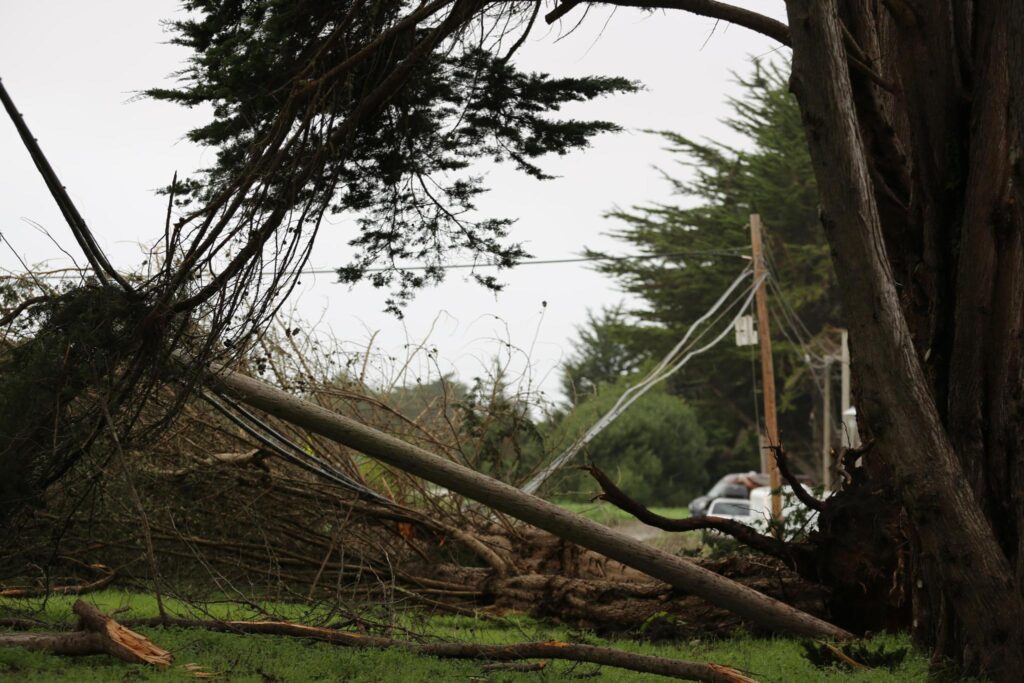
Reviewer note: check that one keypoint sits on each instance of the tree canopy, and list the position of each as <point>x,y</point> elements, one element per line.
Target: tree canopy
<point>377,112</point>
<point>604,352</point>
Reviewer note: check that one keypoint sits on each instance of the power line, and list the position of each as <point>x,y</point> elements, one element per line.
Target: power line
<point>733,253</point>
<point>793,318</point>
<point>273,440</point>
<point>679,356</point>
<point>738,252</point>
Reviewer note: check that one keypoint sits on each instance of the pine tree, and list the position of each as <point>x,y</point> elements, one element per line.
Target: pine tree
<point>376,112</point>
<point>605,352</point>
<point>707,239</point>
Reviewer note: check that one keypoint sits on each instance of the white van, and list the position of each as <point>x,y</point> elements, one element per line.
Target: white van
<point>761,509</point>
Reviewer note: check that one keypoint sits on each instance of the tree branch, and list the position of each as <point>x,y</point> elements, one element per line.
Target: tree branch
<point>97,259</point>
<point>12,314</point>
<point>99,634</point>
<point>106,578</point>
<point>741,532</point>
<point>758,23</point>
<point>802,494</point>
<point>672,668</point>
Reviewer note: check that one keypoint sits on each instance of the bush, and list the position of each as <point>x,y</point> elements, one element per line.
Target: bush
<point>655,451</point>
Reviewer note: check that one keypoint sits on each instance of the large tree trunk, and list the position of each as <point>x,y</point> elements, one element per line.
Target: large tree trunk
<point>914,165</point>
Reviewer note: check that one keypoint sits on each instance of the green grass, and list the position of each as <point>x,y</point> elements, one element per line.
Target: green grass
<point>606,513</point>
<point>266,659</point>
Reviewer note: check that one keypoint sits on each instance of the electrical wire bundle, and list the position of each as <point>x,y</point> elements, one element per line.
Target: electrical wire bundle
<point>732,299</point>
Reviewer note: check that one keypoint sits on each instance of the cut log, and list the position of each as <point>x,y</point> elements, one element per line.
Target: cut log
<point>678,572</point>
<point>99,634</point>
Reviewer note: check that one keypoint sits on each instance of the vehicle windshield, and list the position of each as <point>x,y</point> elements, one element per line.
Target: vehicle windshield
<point>734,508</point>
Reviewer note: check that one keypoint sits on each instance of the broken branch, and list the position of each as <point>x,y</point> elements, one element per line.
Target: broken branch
<point>99,634</point>
<point>106,577</point>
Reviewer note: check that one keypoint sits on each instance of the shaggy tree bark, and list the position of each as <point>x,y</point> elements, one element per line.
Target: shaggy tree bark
<point>916,191</point>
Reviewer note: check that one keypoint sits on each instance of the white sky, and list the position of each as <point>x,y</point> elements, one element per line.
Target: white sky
<point>72,68</point>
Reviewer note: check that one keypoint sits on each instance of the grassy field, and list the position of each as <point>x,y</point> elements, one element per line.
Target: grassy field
<point>268,659</point>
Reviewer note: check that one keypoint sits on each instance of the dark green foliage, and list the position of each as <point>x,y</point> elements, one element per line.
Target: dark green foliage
<point>604,352</point>
<point>80,340</point>
<point>772,176</point>
<point>656,450</point>
<point>400,164</point>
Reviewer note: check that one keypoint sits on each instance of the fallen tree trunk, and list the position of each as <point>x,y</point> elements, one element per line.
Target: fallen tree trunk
<point>99,634</point>
<point>672,668</point>
<point>679,573</point>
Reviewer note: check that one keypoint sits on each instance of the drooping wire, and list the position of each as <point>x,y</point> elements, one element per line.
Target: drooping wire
<point>679,356</point>
<point>285,448</point>
<point>64,273</point>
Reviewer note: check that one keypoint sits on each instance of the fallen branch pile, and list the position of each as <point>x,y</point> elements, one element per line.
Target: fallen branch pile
<point>225,508</point>
<point>681,574</point>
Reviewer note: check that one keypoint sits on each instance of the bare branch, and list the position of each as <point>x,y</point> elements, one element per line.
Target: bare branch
<point>758,23</point>
<point>12,314</point>
<point>97,259</point>
<point>802,494</point>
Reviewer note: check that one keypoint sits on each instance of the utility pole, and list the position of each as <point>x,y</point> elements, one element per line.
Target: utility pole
<point>826,427</point>
<point>764,339</point>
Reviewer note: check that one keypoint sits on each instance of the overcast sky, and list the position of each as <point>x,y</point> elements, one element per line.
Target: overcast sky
<point>73,69</point>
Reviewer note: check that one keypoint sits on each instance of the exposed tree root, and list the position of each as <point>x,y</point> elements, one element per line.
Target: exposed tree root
<point>802,494</point>
<point>854,555</point>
